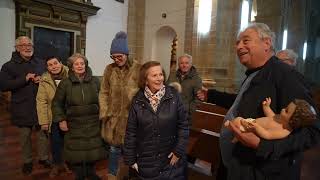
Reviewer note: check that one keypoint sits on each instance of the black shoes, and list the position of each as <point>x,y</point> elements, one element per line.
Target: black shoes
<point>45,163</point>
<point>27,168</point>
<point>94,177</point>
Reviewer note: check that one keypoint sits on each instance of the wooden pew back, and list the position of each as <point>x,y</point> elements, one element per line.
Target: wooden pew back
<point>204,134</point>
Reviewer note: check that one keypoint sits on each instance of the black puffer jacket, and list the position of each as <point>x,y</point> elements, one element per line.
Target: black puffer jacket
<point>151,136</point>
<point>23,97</point>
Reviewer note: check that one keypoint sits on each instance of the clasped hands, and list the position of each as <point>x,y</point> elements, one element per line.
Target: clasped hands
<point>33,77</point>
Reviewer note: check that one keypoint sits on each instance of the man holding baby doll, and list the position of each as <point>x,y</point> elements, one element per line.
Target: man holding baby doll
<point>254,158</point>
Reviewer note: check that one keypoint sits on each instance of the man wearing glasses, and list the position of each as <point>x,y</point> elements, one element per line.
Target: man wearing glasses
<point>118,86</point>
<point>21,76</point>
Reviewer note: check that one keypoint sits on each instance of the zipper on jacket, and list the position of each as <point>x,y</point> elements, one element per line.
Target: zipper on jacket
<point>82,92</point>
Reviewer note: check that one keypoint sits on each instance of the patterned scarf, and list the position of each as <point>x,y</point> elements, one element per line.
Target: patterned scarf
<point>154,98</point>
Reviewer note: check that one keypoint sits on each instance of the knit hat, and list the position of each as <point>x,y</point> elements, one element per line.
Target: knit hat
<point>120,44</point>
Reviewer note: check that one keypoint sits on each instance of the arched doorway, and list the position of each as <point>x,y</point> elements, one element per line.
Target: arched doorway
<point>162,46</point>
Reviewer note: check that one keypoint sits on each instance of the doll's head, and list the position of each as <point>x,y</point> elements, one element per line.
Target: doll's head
<point>304,114</point>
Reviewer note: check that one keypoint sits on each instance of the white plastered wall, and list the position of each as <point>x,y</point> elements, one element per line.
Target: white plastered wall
<point>175,18</point>
<point>7,30</point>
<point>101,29</point>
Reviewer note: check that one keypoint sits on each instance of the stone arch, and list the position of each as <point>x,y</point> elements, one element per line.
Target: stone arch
<point>162,46</point>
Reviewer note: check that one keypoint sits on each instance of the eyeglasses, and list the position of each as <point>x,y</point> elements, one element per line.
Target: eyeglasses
<point>24,46</point>
<point>116,57</point>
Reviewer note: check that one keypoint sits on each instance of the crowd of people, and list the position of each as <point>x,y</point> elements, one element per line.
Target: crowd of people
<point>141,122</point>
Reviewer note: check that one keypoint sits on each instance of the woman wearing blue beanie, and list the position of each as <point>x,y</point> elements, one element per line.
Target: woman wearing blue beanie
<point>118,86</point>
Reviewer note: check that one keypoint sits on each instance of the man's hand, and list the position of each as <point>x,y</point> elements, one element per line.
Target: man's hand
<point>250,126</point>
<point>174,159</point>
<point>30,76</point>
<point>63,125</point>
<point>248,139</point>
<point>45,127</point>
<point>36,79</point>
<point>135,167</point>
<point>202,94</point>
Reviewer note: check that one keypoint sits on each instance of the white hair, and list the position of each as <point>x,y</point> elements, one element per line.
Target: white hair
<point>22,37</point>
<point>291,55</point>
<point>263,31</point>
<point>187,56</point>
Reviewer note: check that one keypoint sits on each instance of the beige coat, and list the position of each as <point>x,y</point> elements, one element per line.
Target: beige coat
<point>118,86</point>
<point>46,91</point>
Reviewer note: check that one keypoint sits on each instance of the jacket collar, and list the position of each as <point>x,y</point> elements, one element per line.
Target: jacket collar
<point>16,57</point>
<point>270,62</point>
<point>263,74</point>
<point>63,74</point>
<point>192,72</point>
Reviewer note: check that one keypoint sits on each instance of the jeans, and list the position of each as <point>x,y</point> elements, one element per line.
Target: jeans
<point>56,144</point>
<point>114,156</point>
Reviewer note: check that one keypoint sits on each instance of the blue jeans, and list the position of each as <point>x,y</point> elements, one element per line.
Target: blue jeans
<point>56,143</point>
<point>114,156</point>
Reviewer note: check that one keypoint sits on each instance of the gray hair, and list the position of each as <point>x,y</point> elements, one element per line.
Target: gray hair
<point>263,31</point>
<point>291,55</point>
<point>22,37</point>
<point>74,57</point>
<point>187,56</point>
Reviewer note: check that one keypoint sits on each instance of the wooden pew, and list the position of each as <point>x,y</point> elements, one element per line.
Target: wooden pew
<point>204,134</point>
<point>203,106</point>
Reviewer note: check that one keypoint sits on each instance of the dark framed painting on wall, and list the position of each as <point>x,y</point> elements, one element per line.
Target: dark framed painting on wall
<point>50,42</point>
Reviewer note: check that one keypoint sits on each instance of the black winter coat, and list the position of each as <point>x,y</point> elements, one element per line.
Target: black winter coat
<point>23,93</point>
<point>152,136</point>
<point>275,159</point>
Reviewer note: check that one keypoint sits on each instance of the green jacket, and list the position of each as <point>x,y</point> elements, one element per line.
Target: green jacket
<point>190,84</point>
<point>47,89</point>
<point>77,102</point>
<point>118,87</point>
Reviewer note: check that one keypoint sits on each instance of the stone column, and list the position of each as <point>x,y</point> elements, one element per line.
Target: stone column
<point>200,46</point>
<point>226,68</point>
<point>136,17</point>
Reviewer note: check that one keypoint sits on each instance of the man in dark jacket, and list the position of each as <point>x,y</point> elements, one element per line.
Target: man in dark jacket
<point>252,157</point>
<point>21,76</point>
<point>190,81</point>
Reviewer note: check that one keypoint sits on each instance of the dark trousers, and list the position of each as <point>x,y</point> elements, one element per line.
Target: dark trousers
<point>26,143</point>
<point>56,144</point>
<point>222,172</point>
<point>85,170</point>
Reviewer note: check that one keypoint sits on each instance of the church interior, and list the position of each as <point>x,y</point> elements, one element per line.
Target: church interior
<point>162,31</point>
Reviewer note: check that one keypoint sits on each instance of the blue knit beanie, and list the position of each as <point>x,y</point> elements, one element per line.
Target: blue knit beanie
<point>120,44</point>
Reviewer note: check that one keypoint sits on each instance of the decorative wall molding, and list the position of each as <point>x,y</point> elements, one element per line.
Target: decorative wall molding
<point>66,15</point>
